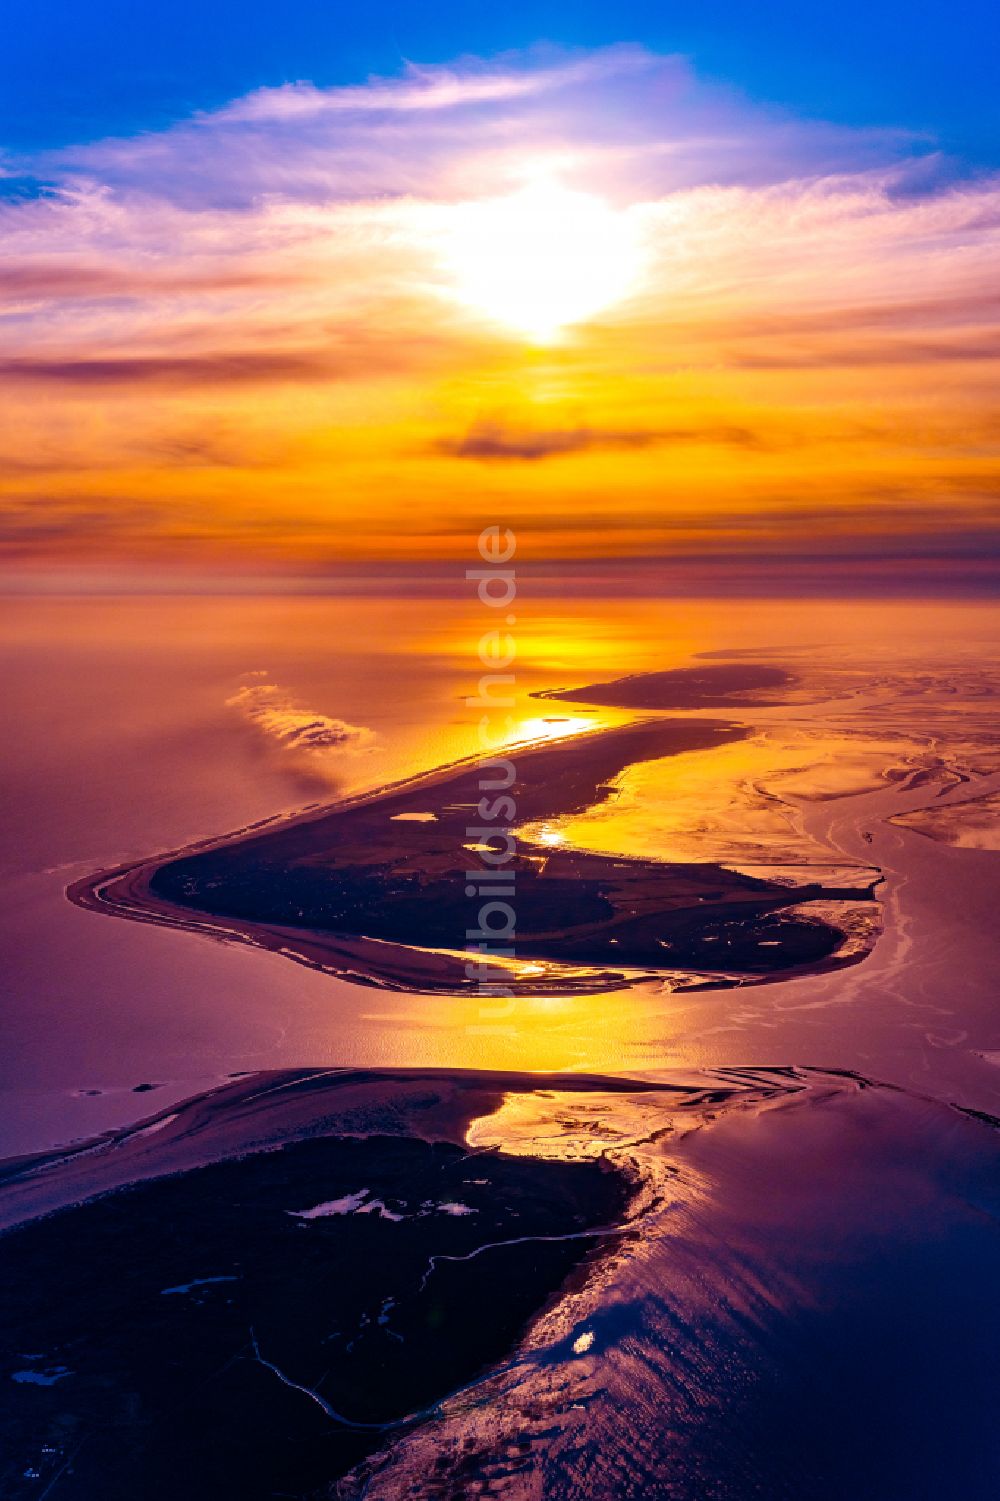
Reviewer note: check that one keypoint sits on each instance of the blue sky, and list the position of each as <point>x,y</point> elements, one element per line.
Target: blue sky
<point>73,71</point>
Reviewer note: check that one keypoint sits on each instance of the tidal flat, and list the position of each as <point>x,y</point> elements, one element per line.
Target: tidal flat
<point>689,1229</point>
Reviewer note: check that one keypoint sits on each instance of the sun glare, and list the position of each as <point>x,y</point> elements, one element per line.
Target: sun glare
<point>542,259</point>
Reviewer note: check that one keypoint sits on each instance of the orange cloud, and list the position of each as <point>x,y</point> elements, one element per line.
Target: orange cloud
<point>244,337</point>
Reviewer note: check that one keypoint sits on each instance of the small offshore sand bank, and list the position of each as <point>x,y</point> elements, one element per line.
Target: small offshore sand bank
<point>970,823</point>
<point>729,686</point>
<point>375,888</point>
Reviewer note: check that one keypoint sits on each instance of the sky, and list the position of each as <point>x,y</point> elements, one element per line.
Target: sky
<point>297,289</point>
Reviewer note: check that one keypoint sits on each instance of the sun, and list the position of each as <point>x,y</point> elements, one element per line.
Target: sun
<point>542,259</point>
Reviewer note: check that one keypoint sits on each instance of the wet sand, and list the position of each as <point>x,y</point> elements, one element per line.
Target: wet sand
<point>267,1111</point>
<point>780,1281</point>
<point>142,754</point>
<point>969,823</point>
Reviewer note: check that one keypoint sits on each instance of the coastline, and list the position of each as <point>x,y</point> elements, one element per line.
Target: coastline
<point>311,1295</point>
<point>406,932</point>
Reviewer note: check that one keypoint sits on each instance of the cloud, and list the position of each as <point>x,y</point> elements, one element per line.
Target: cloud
<point>417,133</point>
<point>63,280</point>
<point>53,524</point>
<point>430,88</point>
<point>204,368</point>
<point>829,350</point>
<point>270,710</point>
<point>632,120</point>
<point>492,440</point>
<point>183,370</point>
<point>241,337</point>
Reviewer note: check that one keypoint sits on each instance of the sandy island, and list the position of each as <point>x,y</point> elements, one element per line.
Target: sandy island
<point>375,888</point>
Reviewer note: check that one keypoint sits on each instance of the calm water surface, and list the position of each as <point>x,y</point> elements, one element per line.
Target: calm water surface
<point>137,725</point>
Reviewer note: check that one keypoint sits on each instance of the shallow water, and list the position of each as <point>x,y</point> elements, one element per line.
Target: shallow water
<point>125,740</point>
<point>805,1307</point>
<point>800,1299</point>
<point>796,1296</point>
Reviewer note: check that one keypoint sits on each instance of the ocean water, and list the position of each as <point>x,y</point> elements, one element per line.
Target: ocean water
<point>136,725</point>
